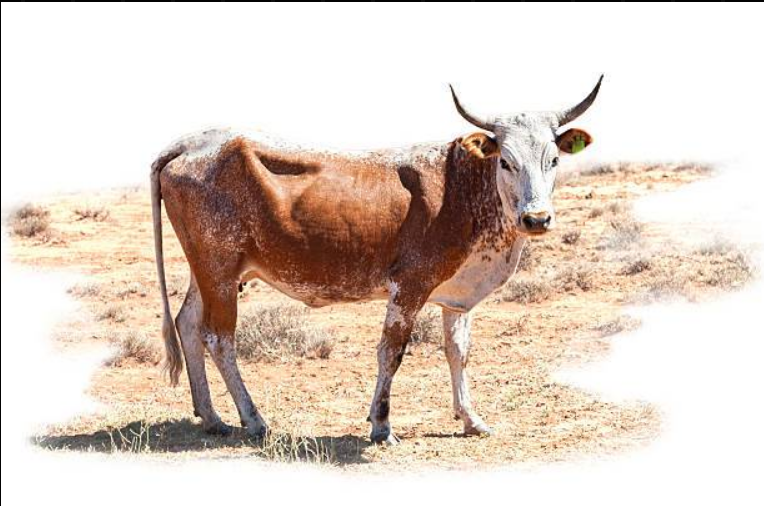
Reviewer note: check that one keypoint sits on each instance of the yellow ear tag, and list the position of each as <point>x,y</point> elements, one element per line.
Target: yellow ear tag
<point>578,144</point>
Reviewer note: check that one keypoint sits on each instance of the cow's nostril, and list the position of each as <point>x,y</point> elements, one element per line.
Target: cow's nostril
<point>536,222</point>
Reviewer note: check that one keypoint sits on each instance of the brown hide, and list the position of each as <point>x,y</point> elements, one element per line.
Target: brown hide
<point>328,228</point>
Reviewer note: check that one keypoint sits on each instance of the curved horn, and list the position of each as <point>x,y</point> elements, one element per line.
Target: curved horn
<point>479,122</point>
<point>573,113</point>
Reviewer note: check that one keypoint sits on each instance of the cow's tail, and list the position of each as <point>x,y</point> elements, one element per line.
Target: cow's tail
<point>173,360</point>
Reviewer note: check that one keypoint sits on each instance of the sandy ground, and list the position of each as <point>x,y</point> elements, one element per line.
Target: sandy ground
<point>595,263</point>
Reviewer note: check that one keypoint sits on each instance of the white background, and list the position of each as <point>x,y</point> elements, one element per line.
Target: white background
<point>90,95</point>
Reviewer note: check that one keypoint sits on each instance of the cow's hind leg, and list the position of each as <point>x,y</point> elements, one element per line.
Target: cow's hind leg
<point>401,313</point>
<point>218,327</point>
<point>188,323</point>
<point>456,330</point>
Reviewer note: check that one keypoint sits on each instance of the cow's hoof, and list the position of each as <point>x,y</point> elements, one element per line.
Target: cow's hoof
<point>258,431</point>
<point>219,429</point>
<point>384,437</point>
<point>479,429</point>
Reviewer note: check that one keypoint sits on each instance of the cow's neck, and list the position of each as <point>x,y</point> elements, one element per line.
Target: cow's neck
<point>471,186</point>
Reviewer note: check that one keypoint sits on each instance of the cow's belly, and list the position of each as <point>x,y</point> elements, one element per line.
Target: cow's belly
<point>480,275</point>
<point>312,293</point>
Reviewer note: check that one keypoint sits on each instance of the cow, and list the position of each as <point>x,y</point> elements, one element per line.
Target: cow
<point>443,223</point>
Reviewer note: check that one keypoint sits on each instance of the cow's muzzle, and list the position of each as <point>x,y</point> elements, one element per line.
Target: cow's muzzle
<point>535,223</point>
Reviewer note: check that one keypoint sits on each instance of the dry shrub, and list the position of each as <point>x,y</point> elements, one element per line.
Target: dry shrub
<point>637,266</point>
<point>113,313</point>
<point>726,265</point>
<point>132,289</point>
<point>427,328</point>
<point>617,325</point>
<point>526,291</point>
<point>84,290</point>
<point>616,208</point>
<point>719,264</point>
<point>30,220</point>
<point>571,237</point>
<point>278,332</point>
<point>94,213</point>
<point>624,233</point>
<point>575,278</point>
<point>137,347</point>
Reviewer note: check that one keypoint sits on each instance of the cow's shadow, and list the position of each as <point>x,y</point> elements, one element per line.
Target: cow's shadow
<point>185,435</point>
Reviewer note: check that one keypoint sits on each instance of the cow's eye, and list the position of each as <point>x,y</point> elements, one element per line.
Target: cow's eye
<point>504,164</point>
<point>555,161</point>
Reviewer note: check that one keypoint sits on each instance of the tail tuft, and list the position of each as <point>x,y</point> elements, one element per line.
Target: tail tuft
<point>173,364</point>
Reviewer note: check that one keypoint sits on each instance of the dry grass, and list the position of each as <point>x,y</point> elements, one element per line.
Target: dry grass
<point>113,313</point>
<point>160,431</point>
<point>570,238</point>
<point>29,221</point>
<point>427,328</point>
<point>287,447</point>
<point>137,347</point>
<point>637,266</point>
<point>575,278</point>
<point>624,233</point>
<point>613,208</point>
<point>85,290</point>
<point>133,289</point>
<point>91,212</point>
<point>719,264</point>
<point>278,332</point>
<point>527,291</point>
<point>621,323</point>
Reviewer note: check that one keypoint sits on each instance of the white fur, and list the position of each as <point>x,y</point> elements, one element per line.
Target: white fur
<point>477,278</point>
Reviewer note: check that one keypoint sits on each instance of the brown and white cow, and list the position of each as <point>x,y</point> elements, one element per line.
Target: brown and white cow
<point>441,223</point>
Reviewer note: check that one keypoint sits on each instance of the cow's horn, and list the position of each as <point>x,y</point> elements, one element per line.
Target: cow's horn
<point>479,122</point>
<point>573,113</point>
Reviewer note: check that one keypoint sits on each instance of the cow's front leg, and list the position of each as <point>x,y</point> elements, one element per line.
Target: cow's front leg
<point>401,313</point>
<point>456,330</point>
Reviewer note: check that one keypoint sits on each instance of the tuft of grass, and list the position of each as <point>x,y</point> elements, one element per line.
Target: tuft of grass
<point>571,237</point>
<point>575,278</point>
<point>624,233</point>
<point>84,290</point>
<point>90,212</point>
<point>287,448</point>
<point>29,221</point>
<point>617,325</point>
<point>728,270</point>
<point>615,208</point>
<point>113,313</point>
<point>637,266</point>
<point>131,440</point>
<point>132,289</point>
<point>527,291</point>
<point>278,332</point>
<point>137,347</point>
<point>427,328</point>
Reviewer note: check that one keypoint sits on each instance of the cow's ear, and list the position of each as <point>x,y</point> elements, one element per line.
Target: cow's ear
<point>573,141</point>
<point>481,145</point>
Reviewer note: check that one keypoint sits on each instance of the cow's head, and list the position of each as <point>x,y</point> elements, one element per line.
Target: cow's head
<point>526,148</point>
